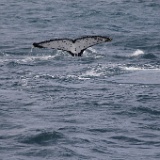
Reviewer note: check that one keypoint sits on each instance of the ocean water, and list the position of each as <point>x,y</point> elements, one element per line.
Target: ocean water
<point>104,105</point>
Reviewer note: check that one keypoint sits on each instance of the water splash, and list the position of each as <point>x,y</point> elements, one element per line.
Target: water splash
<point>32,49</point>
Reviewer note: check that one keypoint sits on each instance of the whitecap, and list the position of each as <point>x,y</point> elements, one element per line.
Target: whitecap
<point>140,68</point>
<point>132,68</point>
<point>138,52</point>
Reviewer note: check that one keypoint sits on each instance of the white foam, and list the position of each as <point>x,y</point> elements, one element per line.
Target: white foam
<point>140,69</point>
<point>83,78</point>
<point>34,58</point>
<point>91,73</point>
<point>138,52</point>
<point>132,68</point>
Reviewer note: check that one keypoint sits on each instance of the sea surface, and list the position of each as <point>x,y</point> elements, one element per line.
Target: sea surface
<point>104,105</point>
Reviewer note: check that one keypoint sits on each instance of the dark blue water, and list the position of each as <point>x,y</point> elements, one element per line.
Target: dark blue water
<point>105,105</point>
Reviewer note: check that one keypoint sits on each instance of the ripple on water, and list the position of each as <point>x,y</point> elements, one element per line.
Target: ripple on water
<point>44,138</point>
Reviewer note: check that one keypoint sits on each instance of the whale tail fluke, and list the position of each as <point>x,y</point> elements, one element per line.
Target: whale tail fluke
<point>75,47</point>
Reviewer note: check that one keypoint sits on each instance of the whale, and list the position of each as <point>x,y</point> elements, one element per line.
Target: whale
<point>74,47</point>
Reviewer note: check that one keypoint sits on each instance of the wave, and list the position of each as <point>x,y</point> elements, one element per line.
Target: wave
<point>80,68</point>
<point>43,138</point>
<point>149,56</point>
<point>27,59</point>
<point>146,110</point>
<point>140,68</point>
<point>142,54</point>
<point>103,71</point>
<point>137,54</point>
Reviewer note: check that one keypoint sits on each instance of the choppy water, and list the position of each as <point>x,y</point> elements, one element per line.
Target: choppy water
<point>105,105</point>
